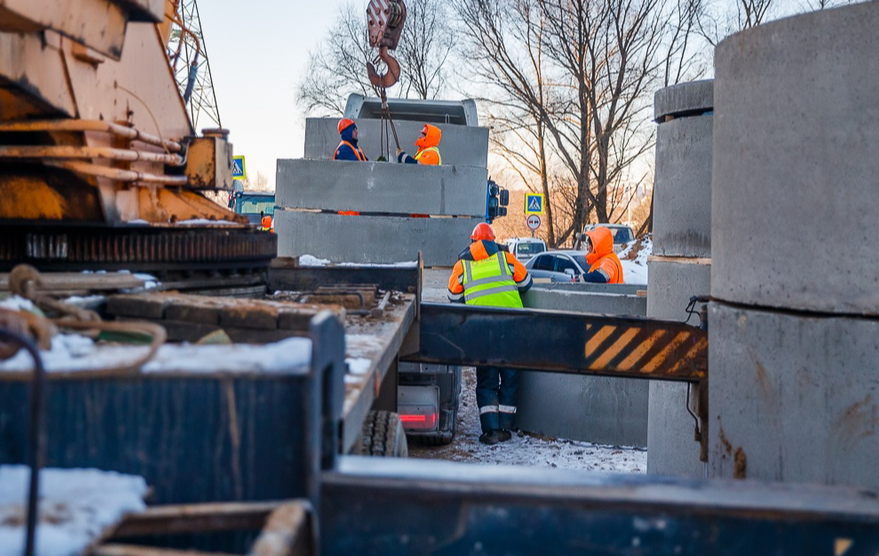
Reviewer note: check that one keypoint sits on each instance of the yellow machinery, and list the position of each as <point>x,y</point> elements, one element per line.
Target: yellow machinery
<point>99,165</point>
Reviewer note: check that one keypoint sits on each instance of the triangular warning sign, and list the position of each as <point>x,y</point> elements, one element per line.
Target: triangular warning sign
<point>534,204</point>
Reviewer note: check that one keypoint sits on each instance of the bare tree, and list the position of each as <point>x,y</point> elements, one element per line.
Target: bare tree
<point>722,18</point>
<point>503,46</point>
<point>427,42</point>
<point>338,67</point>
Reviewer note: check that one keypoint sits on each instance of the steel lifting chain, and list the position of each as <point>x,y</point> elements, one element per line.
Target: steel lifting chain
<point>26,281</point>
<point>387,121</point>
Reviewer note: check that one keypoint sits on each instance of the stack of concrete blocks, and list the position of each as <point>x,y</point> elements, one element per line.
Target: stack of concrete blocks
<point>311,191</point>
<point>595,409</point>
<point>681,264</point>
<point>794,333</point>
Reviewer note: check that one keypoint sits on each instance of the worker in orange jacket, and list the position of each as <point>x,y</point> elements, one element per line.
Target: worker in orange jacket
<point>605,267</point>
<point>485,275</point>
<point>428,148</point>
<point>348,149</point>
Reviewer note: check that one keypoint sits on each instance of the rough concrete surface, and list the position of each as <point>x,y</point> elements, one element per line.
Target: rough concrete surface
<point>683,98</point>
<point>371,239</point>
<point>682,192</point>
<point>587,408</point>
<point>381,187</point>
<point>459,146</point>
<point>670,426</point>
<point>792,398</point>
<point>795,210</point>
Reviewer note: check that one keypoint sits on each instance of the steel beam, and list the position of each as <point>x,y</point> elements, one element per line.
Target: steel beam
<point>433,507</point>
<point>558,341</point>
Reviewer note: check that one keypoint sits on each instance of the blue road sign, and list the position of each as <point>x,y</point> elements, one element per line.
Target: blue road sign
<point>239,172</point>
<point>533,203</point>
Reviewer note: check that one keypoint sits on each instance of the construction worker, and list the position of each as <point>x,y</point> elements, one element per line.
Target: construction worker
<point>606,267</point>
<point>348,149</point>
<point>486,275</point>
<point>428,148</point>
<point>267,223</point>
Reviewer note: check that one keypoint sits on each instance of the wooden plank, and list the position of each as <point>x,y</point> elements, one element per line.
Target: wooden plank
<point>287,532</point>
<point>147,306</point>
<point>192,518</point>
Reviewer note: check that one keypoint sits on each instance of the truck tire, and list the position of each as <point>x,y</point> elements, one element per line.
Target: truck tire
<point>383,435</point>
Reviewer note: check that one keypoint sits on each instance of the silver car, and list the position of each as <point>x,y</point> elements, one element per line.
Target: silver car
<point>559,266</point>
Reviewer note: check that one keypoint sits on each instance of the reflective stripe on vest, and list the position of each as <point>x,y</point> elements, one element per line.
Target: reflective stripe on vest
<point>419,154</point>
<point>489,282</point>
<point>357,152</point>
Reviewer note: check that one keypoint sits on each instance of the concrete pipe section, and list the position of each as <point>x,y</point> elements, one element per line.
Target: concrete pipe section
<point>793,336</point>
<point>680,267</point>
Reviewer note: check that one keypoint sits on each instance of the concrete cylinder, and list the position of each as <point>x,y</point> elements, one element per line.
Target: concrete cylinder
<point>793,390</point>
<point>680,267</point>
<point>795,205</point>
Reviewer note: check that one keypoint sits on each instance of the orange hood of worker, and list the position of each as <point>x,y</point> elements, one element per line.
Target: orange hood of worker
<point>602,244</point>
<point>432,136</point>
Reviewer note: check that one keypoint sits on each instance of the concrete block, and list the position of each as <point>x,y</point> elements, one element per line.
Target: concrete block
<point>372,239</point>
<point>671,449</point>
<point>583,298</point>
<point>682,192</point>
<point>460,145</point>
<point>795,212</point>
<point>381,187</point>
<point>796,398</point>
<point>683,99</point>
<point>592,409</point>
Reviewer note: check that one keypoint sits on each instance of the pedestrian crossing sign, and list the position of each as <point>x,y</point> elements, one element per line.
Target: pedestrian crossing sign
<point>239,172</point>
<point>533,203</point>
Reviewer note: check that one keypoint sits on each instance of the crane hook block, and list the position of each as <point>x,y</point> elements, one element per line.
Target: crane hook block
<point>385,20</point>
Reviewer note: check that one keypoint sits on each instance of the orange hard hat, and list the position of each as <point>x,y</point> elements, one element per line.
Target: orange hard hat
<point>482,231</point>
<point>344,123</point>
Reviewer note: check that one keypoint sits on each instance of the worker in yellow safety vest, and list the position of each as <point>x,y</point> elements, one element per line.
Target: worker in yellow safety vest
<point>486,275</point>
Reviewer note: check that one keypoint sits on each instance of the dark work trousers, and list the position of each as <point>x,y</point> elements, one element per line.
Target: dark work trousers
<point>497,392</point>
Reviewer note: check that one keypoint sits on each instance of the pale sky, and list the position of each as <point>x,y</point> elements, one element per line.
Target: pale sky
<point>258,51</point>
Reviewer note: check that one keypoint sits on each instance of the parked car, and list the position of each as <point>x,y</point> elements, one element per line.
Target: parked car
<point>524,248</point>
<point>559,266</point>
<point>622,234</point>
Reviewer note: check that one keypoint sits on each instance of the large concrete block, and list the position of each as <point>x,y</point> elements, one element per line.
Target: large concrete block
<point>381,187</point>
<point>588,298</point>
<point>793,398</point>
<point>795,212</point>
<point>671,449</point>
<point>682,190</point>
<point>372,239</point>
<point>460,145</point>
<point>592,409</point>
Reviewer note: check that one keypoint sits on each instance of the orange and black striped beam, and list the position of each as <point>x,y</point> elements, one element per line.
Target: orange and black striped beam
<point>557,341</point>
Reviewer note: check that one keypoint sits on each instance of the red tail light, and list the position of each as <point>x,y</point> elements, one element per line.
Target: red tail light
<point>419,421</point>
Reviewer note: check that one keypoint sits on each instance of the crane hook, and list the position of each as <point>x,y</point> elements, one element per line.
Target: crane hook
<point>385,20</point>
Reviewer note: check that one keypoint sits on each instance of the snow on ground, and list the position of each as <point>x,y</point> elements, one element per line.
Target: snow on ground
<point>76,506</point>
<point>526,449</point>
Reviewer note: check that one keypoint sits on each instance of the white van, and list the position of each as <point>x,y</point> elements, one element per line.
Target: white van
<point>525,247</point>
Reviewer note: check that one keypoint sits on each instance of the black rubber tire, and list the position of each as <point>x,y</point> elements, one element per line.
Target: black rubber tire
<point>383,435</point>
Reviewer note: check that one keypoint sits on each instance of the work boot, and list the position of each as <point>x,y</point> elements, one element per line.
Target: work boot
<point>491,437</point>
<point>503,435</point>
